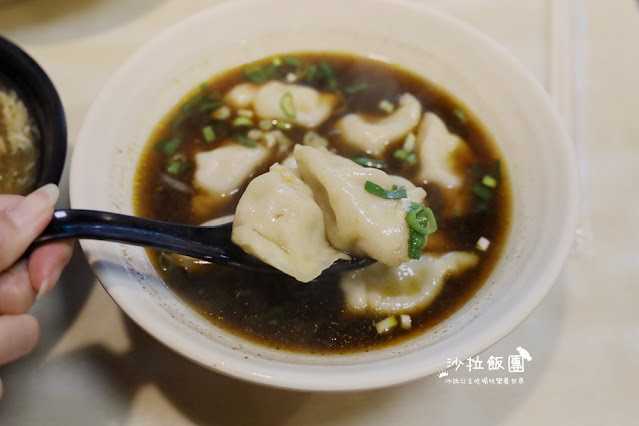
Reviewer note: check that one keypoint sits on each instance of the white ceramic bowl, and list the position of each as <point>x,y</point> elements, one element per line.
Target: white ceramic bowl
<point>509,102</point>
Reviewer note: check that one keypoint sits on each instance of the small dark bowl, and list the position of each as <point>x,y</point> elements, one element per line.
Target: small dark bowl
<point>20,72</point>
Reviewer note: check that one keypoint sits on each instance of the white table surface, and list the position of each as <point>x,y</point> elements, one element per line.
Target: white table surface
<point>94,366</point>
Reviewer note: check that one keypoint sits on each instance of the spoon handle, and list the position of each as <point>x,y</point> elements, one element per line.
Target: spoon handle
<point>107,226</point>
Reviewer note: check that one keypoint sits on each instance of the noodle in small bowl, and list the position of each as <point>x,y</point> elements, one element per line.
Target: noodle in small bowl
<point>33,138</point>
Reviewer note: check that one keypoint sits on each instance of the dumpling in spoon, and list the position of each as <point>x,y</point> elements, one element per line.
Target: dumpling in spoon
<point>404,289</point>
<point>278,221</point>
<point>358,222</point>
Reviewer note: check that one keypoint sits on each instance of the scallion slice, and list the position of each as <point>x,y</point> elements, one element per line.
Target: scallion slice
<point>459,113</point>
<point>177,166</point>
<point>208,133</point>
<point>291,60</point>
<point>325,70</point>
<point>242,121</point>
<point>170,146</point>
<point>244,140</point>
<point>311,73</point>
<point>489,181</point>
<point>416,243</point>
<point>369,162</point>
<point>395,193</point>
<point>357,87</point>
<point>482,192</point>
<point>287,105</point>
<point>211,105</point>
<point>284,125</point>
<point>421,219</point>
<point>401,154</point>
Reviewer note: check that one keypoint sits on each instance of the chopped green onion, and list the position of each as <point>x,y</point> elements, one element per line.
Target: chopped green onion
<point>259,73</point>
<point>386,106</point>
<point>177,166</point>
<point>489,181</point>
<point>385,325</point>
<point>208,133</point>
<point>395,193</point>
<point>416,243</point>
<point>457,213</point>
<point>421,222</point>
<point>311,73</point>
<point>291,60</point>
<point>210,105</point>
<point>242,121</point>
<point>400,154</point>
<point>357,87</point>
<point>170,146</point>
<point>283,125</point>
<point>482,192</point>
<point>421,219</point>
<point>288,105</point>
<point>192,102</point>
<point>369,162</point>
<point>244,140</point>
<point>203,86</point>
<point>325,70</point>
<point>403,155</point>
<point>460,115</point>
<point>277,61</point>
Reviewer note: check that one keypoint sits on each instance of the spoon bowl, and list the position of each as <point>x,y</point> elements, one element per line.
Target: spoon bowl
<point>210,243</point>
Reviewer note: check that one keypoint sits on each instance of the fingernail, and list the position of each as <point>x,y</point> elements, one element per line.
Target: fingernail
<point>33,205</point>
<point>46,284</point>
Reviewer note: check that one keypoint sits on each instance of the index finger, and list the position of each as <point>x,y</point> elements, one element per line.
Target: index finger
<point>23,220</point>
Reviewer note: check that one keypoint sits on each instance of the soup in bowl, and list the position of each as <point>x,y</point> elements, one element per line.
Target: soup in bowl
<point>404,139</point>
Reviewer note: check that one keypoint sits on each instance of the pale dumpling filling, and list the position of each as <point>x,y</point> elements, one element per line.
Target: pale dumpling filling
<point>278,221</point>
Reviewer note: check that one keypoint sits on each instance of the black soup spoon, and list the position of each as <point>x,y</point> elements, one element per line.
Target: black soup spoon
<point>210,243</point>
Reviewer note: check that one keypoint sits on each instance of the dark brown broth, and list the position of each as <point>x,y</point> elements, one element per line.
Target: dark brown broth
<point>284,313</point>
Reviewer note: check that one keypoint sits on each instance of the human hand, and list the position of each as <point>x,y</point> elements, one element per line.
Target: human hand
<point>23,281</point>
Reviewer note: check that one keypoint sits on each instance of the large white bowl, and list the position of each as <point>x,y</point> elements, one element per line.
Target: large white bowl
<point>510,103</point>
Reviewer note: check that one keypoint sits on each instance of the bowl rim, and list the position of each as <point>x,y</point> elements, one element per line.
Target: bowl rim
<point>475,344</point>
<point>23,71</point>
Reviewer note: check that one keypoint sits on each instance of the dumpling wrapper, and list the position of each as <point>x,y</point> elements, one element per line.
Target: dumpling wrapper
<point>374,137</point>
<point>278,221</point>
<point>404,289</point>
<point>436,147</point>
<point>357,222</point>
<point>311,107</point>
<point>226,169</point>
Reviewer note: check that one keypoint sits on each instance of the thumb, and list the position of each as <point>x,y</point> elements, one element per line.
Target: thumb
<point>22,221</point>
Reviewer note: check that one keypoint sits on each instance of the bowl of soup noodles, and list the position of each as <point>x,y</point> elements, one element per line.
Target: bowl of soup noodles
<point>33,139</point>
<point>328,130</point>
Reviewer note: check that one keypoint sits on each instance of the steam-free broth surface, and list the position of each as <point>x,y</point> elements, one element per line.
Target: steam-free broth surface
<point>310,317</point>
